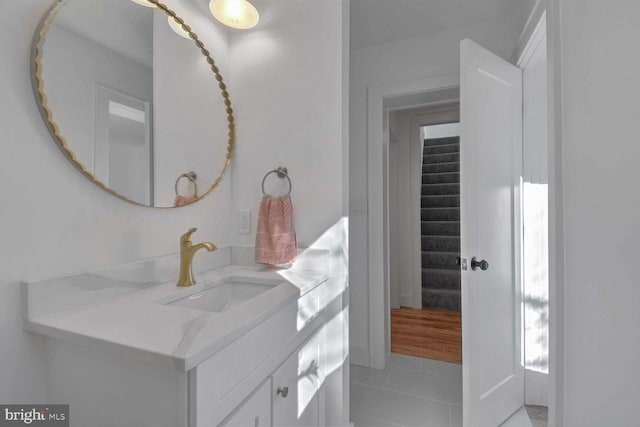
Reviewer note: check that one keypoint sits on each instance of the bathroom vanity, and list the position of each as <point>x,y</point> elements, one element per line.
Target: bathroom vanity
<point>244,346</point>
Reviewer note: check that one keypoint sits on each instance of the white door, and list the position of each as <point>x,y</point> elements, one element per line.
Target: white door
<point>123,146</point>
<point>491,165</point>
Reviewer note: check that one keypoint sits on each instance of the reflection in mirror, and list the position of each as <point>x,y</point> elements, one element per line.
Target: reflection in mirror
<point>132,100</point>
<point>123,151</point>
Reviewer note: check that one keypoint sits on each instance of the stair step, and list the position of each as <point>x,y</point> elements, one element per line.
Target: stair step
<point>440,228</point>
<point>440,167</point>
<point>440,214</point>
<point>440,278</point>
<point>442,141</point>
<point>440,243</point>
<point>446,260</point>
<point>440,201</point>
<point>441,299</point>
<point>440,189</point>
<point>441,149</point>
<point>441,178</point>
<point>441,158</point>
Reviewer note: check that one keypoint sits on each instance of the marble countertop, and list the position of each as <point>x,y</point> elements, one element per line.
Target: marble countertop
<point>138,324</point>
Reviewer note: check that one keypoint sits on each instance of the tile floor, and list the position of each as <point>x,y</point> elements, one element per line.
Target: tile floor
<point>538,415</point>
<point>412,391</point>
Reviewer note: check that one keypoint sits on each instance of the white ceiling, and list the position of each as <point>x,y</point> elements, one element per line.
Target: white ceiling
<point>119,25</point>
<point>376,22</point>
<point>125,27</point>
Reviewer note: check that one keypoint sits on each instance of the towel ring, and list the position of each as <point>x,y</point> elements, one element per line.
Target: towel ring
<point>191,176</point>
<point>282,173</point>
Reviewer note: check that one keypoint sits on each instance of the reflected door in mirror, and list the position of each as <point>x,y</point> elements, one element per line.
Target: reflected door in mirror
<point>123,144</point>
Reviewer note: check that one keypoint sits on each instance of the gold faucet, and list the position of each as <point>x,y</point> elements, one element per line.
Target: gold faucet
<point>187,251</point>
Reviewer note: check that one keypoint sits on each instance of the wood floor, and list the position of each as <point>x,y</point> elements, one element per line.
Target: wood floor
<point>432,334</point>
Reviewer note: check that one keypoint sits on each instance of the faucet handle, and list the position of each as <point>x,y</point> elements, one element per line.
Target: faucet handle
<point>186,237</point>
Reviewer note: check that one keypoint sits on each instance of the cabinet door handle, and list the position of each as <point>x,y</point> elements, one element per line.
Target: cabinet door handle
<point>283,391</point>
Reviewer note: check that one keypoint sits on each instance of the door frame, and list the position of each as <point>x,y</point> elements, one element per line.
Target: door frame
<point>535,383</point>
<point>375,251</point>
<point>378,263</point>
<point>545,17</point>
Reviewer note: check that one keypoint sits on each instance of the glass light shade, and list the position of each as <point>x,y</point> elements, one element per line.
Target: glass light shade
<point>177,28</point>
<point>239,14</point>
<point>144,3</point>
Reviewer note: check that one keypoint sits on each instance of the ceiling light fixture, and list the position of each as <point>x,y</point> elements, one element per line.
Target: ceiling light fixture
<point>144,3</point>
<point>238,14</point>
<point>177,28</point>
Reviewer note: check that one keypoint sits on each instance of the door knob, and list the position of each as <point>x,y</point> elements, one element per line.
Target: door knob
<point>475,264</point>
<point>283,391</point>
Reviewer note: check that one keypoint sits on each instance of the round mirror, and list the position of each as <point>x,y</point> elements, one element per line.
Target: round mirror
<point>134,99</point>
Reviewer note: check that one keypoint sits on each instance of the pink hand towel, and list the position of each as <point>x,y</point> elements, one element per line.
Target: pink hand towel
<point>183,200</point>
<point>276,243</point>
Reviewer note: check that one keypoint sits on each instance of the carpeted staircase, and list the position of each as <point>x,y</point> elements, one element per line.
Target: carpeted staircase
<point>440,226</point>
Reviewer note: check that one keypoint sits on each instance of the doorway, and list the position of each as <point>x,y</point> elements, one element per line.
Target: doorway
<point>488,80</point>
<point>423,205</point>
<point>123,144</point>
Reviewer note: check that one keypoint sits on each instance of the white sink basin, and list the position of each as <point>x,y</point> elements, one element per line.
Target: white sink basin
<point>225,294</point>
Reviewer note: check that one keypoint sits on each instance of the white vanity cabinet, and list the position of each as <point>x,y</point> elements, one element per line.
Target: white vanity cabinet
<point>291,396</point>
<point>288,349</point>
<point>292,361</point>
<point>277,360</point>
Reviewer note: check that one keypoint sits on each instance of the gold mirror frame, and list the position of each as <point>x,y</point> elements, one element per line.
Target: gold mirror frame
<point>47,115</point>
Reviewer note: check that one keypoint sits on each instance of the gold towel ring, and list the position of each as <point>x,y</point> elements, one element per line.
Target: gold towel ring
<point>191,176</point>
<point>282,172</point>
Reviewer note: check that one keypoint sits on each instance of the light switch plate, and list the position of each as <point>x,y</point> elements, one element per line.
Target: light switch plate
<point>244,221</point>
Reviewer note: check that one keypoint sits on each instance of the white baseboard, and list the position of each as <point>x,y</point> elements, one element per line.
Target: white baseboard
<point>408,302</point>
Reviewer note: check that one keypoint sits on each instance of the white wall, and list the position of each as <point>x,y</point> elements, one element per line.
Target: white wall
<point>600,177</point>
<point>53,220</point>
<point>287,85</point>
<point>190,119</point>
<point>403,61</point>
<point>400,260</point>
<point>396,149</point>
<point>287,90</point>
